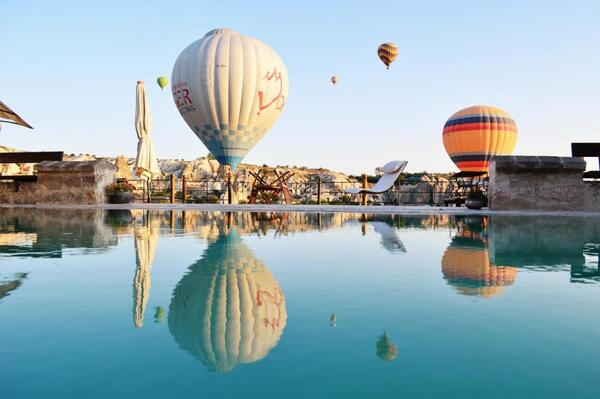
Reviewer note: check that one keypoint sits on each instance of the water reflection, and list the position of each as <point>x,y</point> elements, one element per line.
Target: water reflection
<point>146,237</point>
<point>159,315</point>
<point>548,244</point>
<point>10,285</point>
<point>46,233</point>
<point>466,264</point>
<point>228,309</point>
<point>386,349</point>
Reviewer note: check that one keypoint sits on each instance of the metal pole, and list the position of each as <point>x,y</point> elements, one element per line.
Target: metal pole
<point>229,193</point>
<point>363,200</point>
<point>319,190</point>
<point>172,188</point>
<point>183,189</point>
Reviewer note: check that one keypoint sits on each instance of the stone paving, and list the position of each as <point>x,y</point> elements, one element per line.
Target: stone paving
<point>397,210</point>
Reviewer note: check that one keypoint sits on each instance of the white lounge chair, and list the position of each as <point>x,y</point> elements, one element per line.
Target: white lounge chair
<point>390,170</point>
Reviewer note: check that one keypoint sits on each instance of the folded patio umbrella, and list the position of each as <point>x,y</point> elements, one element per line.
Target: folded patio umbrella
<point>7,115</point>
<point>146,238</point>
<point>145,162</point>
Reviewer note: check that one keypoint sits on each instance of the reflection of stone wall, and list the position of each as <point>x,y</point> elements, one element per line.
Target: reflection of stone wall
<point>541,183</point>
<point>56,229</point>
<point>532,241</point>
<point>81,182</point>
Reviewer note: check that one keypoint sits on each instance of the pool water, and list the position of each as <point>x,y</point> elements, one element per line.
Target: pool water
<point>144,304</point>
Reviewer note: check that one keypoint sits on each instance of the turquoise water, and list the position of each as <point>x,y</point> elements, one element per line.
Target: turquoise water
<point>113,304</point>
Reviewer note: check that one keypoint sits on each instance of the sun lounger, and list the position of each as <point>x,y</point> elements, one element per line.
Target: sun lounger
<point>390,170</point>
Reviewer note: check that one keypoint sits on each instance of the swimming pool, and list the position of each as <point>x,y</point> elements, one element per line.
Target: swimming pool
<point>119,303</point>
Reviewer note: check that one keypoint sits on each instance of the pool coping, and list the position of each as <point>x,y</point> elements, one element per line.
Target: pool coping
<point>373,209</point>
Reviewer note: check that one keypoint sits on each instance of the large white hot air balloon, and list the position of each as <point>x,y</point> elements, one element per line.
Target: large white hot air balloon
<point>230,89</point>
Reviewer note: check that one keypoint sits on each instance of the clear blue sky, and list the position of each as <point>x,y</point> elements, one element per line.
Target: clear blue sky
<point>70,68</point>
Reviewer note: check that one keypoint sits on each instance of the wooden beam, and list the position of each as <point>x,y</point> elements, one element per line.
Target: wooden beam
<point>30,157</point>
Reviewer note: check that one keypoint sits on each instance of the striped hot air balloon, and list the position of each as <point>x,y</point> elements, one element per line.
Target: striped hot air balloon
<point>474,135</point>
<point>387,52</point>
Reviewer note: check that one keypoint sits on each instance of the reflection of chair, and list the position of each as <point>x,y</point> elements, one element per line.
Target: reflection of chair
<point>389,238</point>
<point>269,192</point>
<point>390,170</point>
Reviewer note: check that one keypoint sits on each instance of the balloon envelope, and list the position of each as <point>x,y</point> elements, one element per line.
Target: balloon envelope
<point>162,81</point>
<point>230,89</point>
<point>387,53</point>
<point>474,135</point>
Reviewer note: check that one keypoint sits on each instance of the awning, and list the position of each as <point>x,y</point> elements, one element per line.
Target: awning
<point>7,115</point>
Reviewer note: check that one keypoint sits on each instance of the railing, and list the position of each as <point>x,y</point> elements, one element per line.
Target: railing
<point>173,190</point>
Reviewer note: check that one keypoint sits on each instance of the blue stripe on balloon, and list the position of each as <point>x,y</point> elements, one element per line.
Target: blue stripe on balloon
<point>480,119</point>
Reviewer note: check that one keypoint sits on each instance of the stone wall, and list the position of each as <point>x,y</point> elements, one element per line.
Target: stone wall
<point>63,182</point>
<point>541,183</point>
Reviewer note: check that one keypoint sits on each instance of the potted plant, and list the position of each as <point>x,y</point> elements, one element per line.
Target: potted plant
<point>476,199</point>
<point>120,192</point>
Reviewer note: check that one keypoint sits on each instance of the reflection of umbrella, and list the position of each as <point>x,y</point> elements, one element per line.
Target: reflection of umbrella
<point>145,162</point>
<point>228,309</point>
<point>145,246</point>
<point>386,349</point>
<point>7,115</point>
<point>468,268</point>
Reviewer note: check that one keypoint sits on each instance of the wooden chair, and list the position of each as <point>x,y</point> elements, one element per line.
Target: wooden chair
<point>587,150</point>
<point>269,192</point>
<point>27,157</point>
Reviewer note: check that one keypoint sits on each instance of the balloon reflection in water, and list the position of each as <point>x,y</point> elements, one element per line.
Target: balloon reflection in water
<point>386,349</point>
<point>228,309</point>
<point>466,264</point>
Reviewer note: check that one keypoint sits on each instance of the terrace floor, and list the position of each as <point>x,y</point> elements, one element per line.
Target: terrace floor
<point>373,209</point>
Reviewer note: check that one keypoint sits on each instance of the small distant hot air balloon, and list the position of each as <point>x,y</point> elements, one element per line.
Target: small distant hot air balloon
<point>387,52</point>
<point>474,135</point>
<point>230,89</point>
<point>334,80</point>
<point>162,81</point>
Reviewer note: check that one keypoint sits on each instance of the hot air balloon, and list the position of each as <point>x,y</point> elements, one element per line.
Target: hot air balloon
<point>162,81</point>
<point>387,52</point>
<point>474,135</point>
<point>228,309</point>
<point>334,80</point>
<point>230,89</point>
